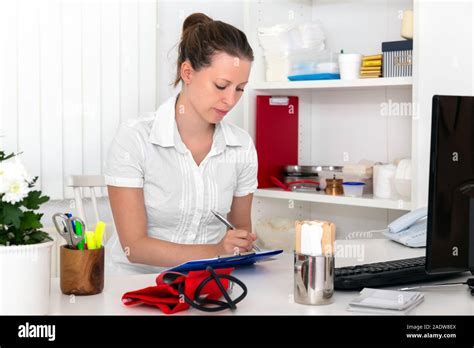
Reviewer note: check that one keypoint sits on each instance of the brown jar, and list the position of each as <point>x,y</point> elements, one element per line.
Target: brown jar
<point>334,186</point>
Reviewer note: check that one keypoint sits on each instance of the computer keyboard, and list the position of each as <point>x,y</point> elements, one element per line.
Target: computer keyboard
<point>380,274</point>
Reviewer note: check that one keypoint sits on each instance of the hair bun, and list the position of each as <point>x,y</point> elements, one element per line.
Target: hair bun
<point>202,37</point>
<point>195,19</point>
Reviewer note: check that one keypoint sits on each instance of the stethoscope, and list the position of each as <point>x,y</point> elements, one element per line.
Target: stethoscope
<point>469,282</point>
<point>200,301</point>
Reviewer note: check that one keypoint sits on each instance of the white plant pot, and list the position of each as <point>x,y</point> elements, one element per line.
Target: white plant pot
<point>25,278</point>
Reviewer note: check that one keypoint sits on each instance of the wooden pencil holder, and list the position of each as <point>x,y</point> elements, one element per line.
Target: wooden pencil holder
<point>81,271</point>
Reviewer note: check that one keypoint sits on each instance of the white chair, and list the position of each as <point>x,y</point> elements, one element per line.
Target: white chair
<point>92,182</point>
<point>78,183</point>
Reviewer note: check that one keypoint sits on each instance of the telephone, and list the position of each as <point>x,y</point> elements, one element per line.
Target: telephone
<point>410,229</point>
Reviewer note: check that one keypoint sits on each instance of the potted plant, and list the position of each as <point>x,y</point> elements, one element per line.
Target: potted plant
<point>25,250</point>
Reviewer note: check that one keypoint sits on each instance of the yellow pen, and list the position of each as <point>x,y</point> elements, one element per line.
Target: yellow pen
<point>90,238</point>
<point>99,233</point>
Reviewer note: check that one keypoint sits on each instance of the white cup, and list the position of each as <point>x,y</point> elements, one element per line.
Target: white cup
<point>349,65</point>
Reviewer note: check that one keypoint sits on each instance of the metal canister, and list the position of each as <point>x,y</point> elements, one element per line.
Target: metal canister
<point>314,279</point>
<point>334,186</point>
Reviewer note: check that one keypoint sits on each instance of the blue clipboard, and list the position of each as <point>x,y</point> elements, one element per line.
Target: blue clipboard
<point>224,262</point>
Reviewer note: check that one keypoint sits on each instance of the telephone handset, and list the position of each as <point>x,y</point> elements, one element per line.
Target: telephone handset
<point>410,229</point>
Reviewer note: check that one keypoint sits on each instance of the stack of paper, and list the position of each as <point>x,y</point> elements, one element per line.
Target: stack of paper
<point>377,301</point>
<point>371,66</point>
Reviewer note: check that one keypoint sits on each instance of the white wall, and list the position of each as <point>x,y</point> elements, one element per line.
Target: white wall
<point>443,64</point>
<point>71,71</point>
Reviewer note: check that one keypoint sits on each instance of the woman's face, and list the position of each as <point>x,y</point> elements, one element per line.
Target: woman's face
<point>214,90</point>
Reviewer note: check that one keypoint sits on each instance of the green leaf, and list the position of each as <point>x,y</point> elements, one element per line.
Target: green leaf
<point>10,237</point>
<point>34,200</point>
<point>3,239</point>
<point>30,221</point>
<point>12,215</point>
<point>33,182</point>
<point>38,237</point>
<point>4,158</point>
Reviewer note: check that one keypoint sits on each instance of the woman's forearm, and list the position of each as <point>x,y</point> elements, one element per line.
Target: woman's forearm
<point>156,252</point>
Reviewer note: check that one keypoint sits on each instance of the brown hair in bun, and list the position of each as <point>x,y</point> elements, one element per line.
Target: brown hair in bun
<point>202,37</point>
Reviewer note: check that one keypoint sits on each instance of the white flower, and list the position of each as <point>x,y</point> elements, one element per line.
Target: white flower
<point>14,180</point>
<point>16,190</point>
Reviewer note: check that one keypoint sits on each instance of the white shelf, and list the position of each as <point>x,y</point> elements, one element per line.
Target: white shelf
<point>364,201</point>
<point>325,84</point>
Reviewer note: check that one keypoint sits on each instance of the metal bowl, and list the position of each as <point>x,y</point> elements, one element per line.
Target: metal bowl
<point>294,169</point>
<point>292,178</point>
<point>301,170</point>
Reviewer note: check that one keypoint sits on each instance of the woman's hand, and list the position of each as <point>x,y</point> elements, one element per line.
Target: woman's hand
<point>234,239</point>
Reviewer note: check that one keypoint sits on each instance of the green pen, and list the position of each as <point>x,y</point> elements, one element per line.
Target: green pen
<point>79,232</point>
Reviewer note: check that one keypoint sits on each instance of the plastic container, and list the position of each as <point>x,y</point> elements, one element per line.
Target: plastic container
<point>403,179</point>
<point>313,61</point>
<point>403,187</point>
<point>349,65</point>
<point>368,182</point>
<point>353,188</point>
<point>291,46</point>
<point>384,175</point>
<point>327,68</point>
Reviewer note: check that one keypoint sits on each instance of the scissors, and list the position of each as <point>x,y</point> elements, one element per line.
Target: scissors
<point>64,227</point>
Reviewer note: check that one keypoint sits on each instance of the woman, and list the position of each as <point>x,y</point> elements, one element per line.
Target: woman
<point>166,173</point>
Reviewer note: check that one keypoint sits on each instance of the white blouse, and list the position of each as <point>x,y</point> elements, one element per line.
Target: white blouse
<point>179,195</point>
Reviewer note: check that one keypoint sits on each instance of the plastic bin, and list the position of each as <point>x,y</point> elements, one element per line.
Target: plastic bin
<point>313,61</point>
<point>353,188</point>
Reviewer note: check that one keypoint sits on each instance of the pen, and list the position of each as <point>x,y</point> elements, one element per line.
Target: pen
<point>79,232</point>
<point>78,228</point>
<point>90,237</point>
<point>223,220</point>
<point>229,225</point>
<point>69,215</point>
<point>99,233</point>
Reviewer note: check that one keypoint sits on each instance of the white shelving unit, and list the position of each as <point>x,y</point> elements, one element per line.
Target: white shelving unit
<point>337,116</point>
<point>324,84</point>
<point>368,201</point>
<point>318,197</point>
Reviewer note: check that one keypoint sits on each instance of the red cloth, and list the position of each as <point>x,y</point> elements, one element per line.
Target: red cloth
<point>166,296</point>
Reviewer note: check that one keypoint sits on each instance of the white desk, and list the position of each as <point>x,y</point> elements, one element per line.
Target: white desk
<point>270,289</point>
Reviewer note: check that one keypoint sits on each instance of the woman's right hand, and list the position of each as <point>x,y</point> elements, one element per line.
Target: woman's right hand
<point>234,239</point>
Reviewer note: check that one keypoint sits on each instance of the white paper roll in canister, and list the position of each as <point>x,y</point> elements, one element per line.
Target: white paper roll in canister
<point>383,180</point>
